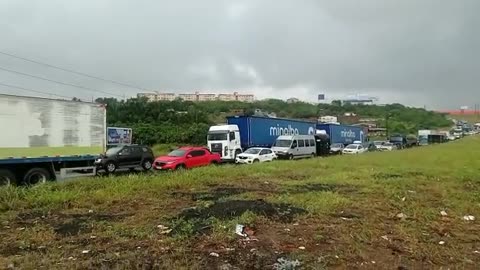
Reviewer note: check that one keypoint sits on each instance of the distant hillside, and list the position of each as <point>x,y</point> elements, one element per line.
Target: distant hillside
<point>187,122</point>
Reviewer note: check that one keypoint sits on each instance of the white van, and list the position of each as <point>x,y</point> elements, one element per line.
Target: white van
<point>295,146</point>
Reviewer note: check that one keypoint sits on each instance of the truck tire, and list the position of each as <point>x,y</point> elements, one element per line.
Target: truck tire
<point>36,176</point>
<point>147,164</point>
<point>237,152</point>
<point>256,161</point>
<point>7,178</point>
<point>290,157</point>
<point>110,167</point>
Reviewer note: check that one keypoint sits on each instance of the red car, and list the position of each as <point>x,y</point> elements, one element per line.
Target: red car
<point>186,158</point>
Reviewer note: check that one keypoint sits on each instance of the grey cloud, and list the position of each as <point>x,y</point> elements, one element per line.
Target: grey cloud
<point>419,52</point>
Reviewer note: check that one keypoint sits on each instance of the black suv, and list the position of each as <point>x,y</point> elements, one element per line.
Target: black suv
<point>126,156</point>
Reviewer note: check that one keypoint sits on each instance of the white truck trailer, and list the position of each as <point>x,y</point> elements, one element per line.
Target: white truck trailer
<point>47,139</point>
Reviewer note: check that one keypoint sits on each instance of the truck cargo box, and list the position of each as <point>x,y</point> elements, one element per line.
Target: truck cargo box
<point>39,127</point>
<point>344,134</point>
<point>263,131</point>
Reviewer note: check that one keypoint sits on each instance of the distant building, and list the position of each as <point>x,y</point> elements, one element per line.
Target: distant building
<point>157,96</point>
<point>293,100</point>
<point>197,97</point>
<point>236,97</point>
<point>149,96</point>
<point>226,97</point>
<point>328,119</point>
<point>166,96</point>
<point>359,100</point>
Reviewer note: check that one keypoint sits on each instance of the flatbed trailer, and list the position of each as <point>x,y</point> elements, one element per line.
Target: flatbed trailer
<point>31,171</point>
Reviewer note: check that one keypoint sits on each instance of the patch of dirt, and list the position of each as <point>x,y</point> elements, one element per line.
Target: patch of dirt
<point>230,209</point>
<point>347,215</point>
<point>65,224</point>
<point>212,195</point>
<point>199,219</point>
<point>296,176</point>
<point>319,187</point>
<point>379,176</point>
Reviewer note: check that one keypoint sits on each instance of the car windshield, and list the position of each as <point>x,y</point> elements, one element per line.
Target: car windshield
<point>113,151</point>
<point>283,143</point>
<point>253,151</point>
<point>336,145</point>
<point>352,146</point>
<point>217,136</point>
<point>177,153</point>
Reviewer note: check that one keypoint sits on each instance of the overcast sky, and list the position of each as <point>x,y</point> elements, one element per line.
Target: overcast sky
<point>417,52</point>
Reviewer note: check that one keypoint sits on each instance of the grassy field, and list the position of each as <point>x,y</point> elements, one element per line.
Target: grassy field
<point>372,211</point>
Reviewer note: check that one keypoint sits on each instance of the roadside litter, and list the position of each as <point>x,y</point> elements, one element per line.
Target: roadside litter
<point>443,213</point>
<point>469,218</point>
<point>285,264</point>
<point>441,243</point>
<point>402,216</point>
<point>239,230</point>
<point>214,254</point>
<point>244,231</point>
<point>164,229</point>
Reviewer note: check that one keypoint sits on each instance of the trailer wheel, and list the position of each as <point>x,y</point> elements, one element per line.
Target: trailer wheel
<point>7,178</point>
<point>36,176</point>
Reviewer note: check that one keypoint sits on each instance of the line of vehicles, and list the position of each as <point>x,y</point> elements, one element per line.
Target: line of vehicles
<point>49,139</point>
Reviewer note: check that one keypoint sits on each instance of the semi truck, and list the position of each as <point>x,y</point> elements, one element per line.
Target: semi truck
<point>423,136</point>
<point>243,132</point>
<point>48,139</point>
<point>344,134</point>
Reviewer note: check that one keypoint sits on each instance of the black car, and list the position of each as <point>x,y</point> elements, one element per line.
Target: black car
<point>126,156</point>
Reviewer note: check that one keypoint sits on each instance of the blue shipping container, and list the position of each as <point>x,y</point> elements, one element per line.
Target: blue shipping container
<point>263,131</point>
<point>343,133</point>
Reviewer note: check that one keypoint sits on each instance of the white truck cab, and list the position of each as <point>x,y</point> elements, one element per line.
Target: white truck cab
<point>225,140</point>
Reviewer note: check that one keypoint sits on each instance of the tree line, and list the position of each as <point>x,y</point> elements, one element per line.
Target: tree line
<point>187,122</point>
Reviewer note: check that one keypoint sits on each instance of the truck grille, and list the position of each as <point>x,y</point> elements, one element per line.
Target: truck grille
<point>217,148</point>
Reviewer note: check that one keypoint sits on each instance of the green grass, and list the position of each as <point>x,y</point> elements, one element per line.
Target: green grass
<point>49,151</point>
<point>370,190</point>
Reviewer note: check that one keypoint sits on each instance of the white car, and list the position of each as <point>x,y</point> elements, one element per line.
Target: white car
<point>256,154</point>
<point>386,146</point>
<point>354,149</point>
